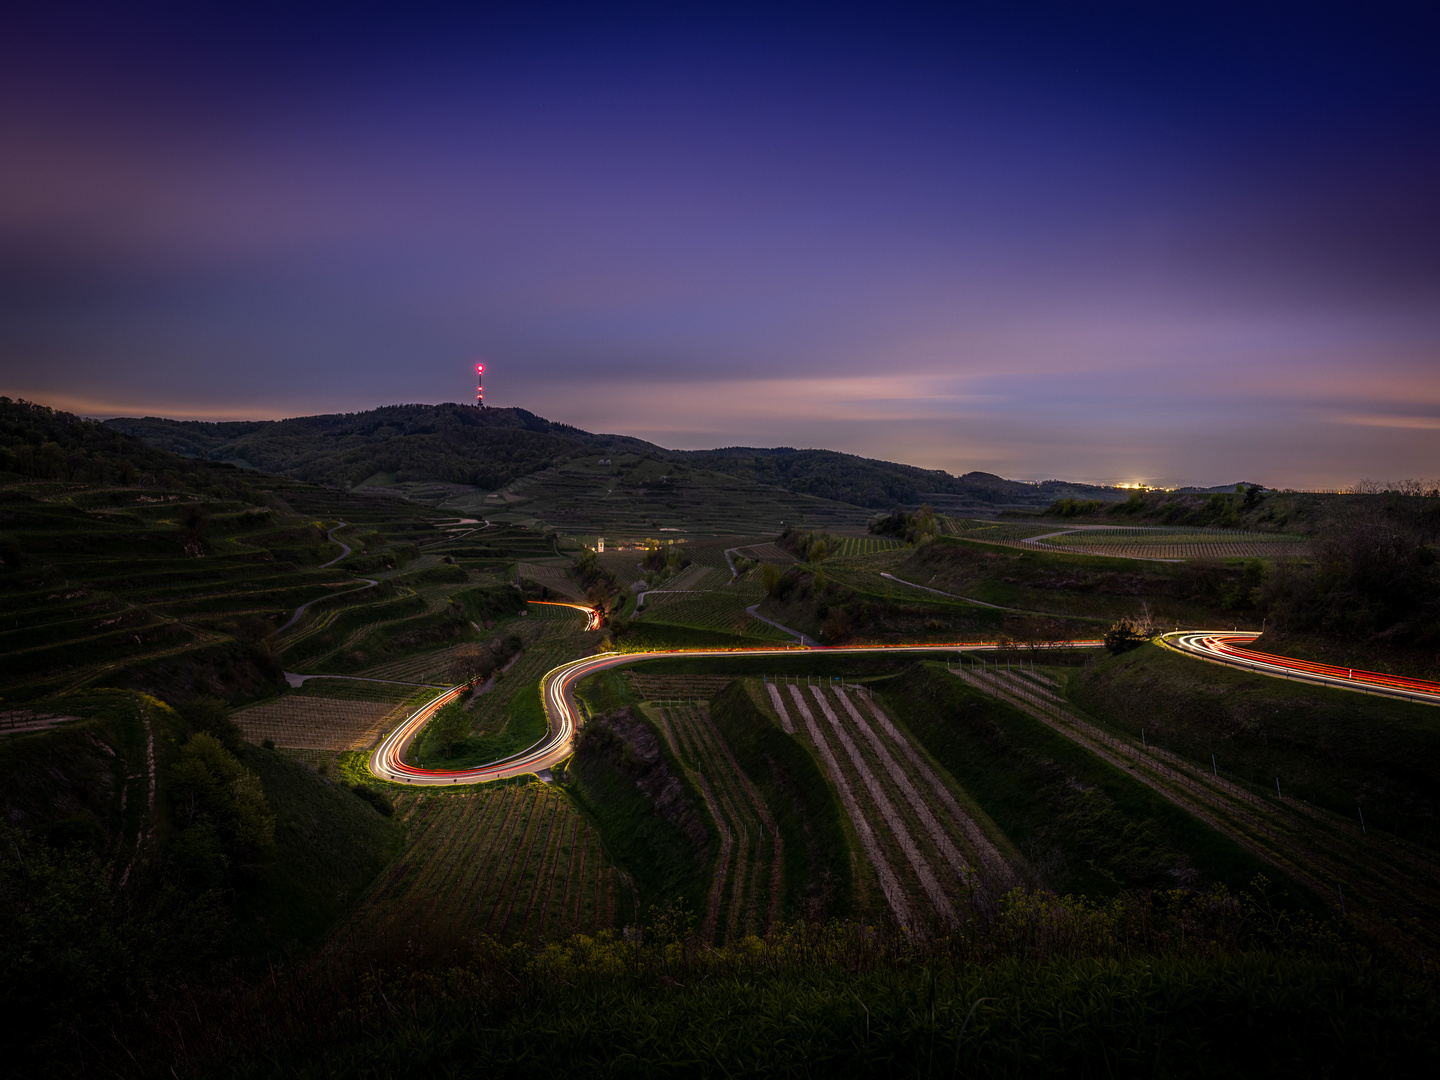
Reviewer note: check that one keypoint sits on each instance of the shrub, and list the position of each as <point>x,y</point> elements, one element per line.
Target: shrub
<point>376,798</point>
<point>1124,636</point>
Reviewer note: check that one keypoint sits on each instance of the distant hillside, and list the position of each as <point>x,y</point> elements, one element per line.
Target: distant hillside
<point>456,444</point>
<point>883,485</point>
<point>45,444</point>
<point>490,448</point>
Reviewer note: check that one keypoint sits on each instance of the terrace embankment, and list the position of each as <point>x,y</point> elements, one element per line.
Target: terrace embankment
<point>625,778</point>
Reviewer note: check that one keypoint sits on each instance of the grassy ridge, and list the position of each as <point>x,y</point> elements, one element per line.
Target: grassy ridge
<point>1083,825</point>
<point>816,858</point>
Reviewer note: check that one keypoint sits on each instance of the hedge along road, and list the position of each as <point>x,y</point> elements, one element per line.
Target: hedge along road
<point>557,691</point>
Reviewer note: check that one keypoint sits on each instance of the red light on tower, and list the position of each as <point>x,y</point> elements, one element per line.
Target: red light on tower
<point>479,386</point>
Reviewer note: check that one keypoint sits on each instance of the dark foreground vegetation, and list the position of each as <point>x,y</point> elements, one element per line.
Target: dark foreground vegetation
<point>1161,984</point>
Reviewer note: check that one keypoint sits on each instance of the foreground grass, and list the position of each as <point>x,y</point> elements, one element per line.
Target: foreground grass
<point>1256,1016</point>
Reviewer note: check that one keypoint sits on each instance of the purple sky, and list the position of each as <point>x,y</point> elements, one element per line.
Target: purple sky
<point>1194,247</point>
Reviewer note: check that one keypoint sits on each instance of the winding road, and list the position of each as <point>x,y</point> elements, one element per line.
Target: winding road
<point>1229,647</point>
<point>370,583</point>
<point>557,689</point>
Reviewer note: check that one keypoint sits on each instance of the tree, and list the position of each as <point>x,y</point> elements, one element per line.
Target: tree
<point>212,716</point>
<point>221,806</point>
<point>1124,636</point>
<point>449,729</point>
<point>771,575</point>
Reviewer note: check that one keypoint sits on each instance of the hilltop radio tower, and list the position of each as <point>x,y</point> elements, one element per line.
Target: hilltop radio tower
<point>479,386</point>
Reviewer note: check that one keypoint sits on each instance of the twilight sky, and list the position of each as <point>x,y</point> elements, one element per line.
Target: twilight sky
<point>1178,243</point>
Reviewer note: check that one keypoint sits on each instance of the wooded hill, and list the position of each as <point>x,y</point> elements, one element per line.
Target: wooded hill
<point>489,448</point>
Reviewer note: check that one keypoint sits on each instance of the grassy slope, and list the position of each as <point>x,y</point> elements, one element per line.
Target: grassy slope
<point>881,610</point>
<point>525,727</point>
<point>656,853</point>
<point>1084,825</point>
<point>817,862</point>
<point>1335,748</point>
<point>329,844</point>
<point>644,636</point>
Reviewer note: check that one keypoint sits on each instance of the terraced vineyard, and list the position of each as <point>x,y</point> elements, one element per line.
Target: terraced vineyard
<point>746,895</point>
<point>711,553</point>
<point>992,532</point>
<point>115,579</point>
<point>553,577</point>
<point>929,856</point>
<point>622,565</point>
<point>720,609</point>
<point>856,545</point>
<point>636,496</point>
<point>772,552</point>
<point>311,722</point>
<point>511,861</point>
<point>1178,544</point>
<point>664,687</point>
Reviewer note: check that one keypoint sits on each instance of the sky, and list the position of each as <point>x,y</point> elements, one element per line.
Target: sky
<point>1189,243</point>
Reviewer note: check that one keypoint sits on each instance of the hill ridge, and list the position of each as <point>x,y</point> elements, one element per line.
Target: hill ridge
<point>455,443</point>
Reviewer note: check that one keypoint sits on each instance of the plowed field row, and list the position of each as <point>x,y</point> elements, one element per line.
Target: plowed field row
<point>1390,886</point>
<point>929,854</point>
<point>660,687</point>
<point>854,545</point>
<point>746,894</point>
<point>1153,550</point>
<point>513,862</point>
<point>316,723</point>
